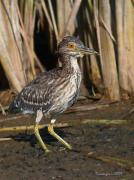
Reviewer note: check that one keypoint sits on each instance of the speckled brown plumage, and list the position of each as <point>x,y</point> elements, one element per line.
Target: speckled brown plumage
<point>53,91</point>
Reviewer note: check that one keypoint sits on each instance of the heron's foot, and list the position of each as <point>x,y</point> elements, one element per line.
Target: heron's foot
<point>42,144</point>
<point>53,133</point>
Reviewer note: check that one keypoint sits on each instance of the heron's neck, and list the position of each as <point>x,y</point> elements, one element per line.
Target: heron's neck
<point>69,63</point>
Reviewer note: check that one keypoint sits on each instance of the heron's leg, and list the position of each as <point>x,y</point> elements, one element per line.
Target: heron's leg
<point>51,131</point>
<point>36,131</point>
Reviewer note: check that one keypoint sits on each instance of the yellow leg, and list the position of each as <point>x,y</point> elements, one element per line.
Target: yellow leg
<point>37,134</point>
<point>51,131</point>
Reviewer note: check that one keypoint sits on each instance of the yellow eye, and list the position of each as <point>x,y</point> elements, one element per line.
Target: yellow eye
<point>71,45</point>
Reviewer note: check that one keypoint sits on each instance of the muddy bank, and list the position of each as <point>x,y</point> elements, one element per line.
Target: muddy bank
<point>22,158</point>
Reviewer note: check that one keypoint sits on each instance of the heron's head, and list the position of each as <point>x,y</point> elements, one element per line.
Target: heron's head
<point>72,46</point>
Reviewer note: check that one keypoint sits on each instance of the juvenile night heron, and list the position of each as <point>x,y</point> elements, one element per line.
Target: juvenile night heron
<point>51,93</point>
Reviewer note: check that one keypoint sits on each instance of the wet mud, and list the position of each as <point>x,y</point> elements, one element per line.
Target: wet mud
<point>22,158</point>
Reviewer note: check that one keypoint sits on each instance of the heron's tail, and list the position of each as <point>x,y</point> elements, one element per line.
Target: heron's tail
<point>14,107</point>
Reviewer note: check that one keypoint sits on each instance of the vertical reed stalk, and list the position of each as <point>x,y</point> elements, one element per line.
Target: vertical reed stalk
<point>11,56</point>
<point>109,68</point>
<point>125,39</point>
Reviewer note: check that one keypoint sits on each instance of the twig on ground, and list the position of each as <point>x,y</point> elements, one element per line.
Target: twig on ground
<point>127,114</point>
<point>5,139</point>
<point>86,108</point>
<point>13,118</point>
<point>69,124</point>
<point>128,165</point>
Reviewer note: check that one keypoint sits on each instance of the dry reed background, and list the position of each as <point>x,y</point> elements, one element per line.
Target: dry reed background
<point>105,25</point>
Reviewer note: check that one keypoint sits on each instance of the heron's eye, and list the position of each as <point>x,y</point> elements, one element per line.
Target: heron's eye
<point>71,45</point>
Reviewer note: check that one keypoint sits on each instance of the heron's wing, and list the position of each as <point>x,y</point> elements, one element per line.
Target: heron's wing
<point>38,93</point>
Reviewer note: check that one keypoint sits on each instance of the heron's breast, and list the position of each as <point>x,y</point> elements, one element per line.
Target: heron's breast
<point>66,96</point>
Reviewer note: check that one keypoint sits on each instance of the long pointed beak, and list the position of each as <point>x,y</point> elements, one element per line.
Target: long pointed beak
<point>85,50</point>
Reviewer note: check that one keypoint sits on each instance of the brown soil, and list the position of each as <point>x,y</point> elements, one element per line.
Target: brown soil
<point>22,158</point>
